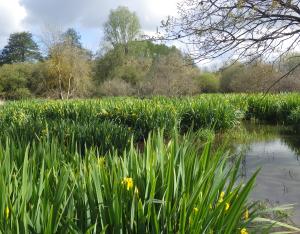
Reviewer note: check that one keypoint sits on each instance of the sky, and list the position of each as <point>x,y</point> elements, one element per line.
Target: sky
<point>86,16</point>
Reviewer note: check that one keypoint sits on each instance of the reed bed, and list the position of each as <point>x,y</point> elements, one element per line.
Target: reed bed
<point>112,122</point>
<point>105,166</point>
<point>170,187</point>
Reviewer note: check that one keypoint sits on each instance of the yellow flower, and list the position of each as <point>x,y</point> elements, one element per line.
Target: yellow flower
<point>128,182</point>
<point>227,206</point>
<point>195,209</point>
<point>244,231</point>
<point>246,214</point>
<point>221,198</point>
<point>101,161</point>
<point>6,212</point>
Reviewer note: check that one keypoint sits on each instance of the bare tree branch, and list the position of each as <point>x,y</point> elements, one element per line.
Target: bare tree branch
<point>243,29</point>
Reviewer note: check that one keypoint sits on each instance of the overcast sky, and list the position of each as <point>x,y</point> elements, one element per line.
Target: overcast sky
<point>86,16</point>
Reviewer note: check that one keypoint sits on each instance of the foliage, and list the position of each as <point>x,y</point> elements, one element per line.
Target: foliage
<point>142,116</point>
<point>121,27</point>
<point>133,70</point>
<point>94,166</point>
<point>165,188</point>
<point>217,114</point>
<point>171,75</point>
<point>20,48</point>
<point>140,53</point>
<point>14,79</point>
<point>52,185</point>
<point>73,37</point>
<point>287,63</point>
<point>294,117</point>
<point>68,70</point>
<point>27,121</point>
<point>209,82</point>
<point>151,69</point>
<point>273,108</point>
<point>257,77</point>
<point>116,87</point>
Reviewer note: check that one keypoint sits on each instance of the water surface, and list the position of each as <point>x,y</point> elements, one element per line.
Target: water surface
<point>276,150</point>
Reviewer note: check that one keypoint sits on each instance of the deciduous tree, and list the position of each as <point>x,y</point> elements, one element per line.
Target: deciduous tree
<point>68,70</point>
<point>122,27</point>
<point>247,29</point>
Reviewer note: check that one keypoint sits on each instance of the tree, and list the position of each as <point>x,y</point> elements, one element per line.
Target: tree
<point>73,37</point>
<point>147,68</point>
<point>20,48</point>
<point>256,77</point>
<point>247,29</point>
<point>139,54</point>
<point>68,70</point>
<point>289,61</point>
<point>171,75</point>
<point>106,63</point>
<point>122,27</point>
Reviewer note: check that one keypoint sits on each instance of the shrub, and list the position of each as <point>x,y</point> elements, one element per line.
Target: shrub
<point>116,87</point>
<point>209,82</point>
<point>253,77</point>
<point>14,79</point>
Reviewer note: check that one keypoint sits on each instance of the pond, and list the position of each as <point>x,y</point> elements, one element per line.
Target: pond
<point>276,150</point>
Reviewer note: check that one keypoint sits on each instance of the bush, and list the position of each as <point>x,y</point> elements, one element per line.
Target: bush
<point>116,87</point>
<point>14,80</point>
<point>209,82</point>
<point>254,77</point>
<point>258,77</point>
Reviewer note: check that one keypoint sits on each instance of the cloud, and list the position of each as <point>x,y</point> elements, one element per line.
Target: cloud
<point>11,17</point>
<point>93,13</point>
<point>86,16</point>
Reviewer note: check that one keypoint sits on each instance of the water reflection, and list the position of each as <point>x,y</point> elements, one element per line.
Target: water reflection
<point>275,150</point>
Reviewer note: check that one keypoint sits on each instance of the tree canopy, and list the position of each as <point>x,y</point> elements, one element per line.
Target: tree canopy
<point>73,37</point>
<point>121,27</point>
<point>68,69</point>
<point>20,48</point>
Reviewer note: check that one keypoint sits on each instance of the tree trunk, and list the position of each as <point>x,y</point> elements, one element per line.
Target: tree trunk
<point>69,87</point>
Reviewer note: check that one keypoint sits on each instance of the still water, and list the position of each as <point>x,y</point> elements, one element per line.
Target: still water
<point>276,150</point>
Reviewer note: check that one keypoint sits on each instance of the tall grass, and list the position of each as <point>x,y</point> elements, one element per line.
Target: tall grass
<point>273,108</point>
<point>74,167</point>
<point>112,121</point>
<point>170,187</point>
